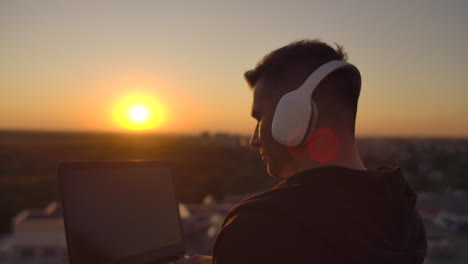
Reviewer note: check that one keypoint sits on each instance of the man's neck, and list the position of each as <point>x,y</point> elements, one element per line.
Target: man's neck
<point>348,158</point>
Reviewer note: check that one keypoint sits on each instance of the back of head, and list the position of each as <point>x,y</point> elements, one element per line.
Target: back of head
<point>288,67</point>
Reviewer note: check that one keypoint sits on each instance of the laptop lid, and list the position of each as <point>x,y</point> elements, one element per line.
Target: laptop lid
<point>120,212</point>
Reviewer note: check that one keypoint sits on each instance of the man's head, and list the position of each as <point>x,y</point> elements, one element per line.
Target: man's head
<point>284,70</point>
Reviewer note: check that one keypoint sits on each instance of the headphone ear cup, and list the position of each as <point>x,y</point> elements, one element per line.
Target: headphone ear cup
<point>291,119</point>
<point>313,122</point>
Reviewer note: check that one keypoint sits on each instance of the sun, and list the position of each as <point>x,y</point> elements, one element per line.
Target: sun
<point>139,112</point>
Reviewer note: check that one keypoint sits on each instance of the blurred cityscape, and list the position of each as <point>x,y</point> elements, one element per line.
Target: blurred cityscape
<point>213,172</point>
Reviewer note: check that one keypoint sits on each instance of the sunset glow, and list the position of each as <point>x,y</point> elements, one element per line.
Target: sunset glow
<point>100,67</point>
<point>139,112</point>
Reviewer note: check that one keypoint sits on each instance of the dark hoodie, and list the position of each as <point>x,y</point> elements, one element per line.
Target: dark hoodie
<point>326,215</point>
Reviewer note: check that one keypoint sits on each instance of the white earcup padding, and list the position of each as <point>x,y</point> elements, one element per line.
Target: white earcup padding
<point>292,112</point>
<point>296,113</point>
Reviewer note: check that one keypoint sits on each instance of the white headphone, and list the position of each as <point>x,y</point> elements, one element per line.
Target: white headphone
<point>295,116</point>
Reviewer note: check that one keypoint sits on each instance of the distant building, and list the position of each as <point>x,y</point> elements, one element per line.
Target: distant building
<point>223,139</point>
<point>227,140</point>
<point>39,237</point>
<point>447,209</point>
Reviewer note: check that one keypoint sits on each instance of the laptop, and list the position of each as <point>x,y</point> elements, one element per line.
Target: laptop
<point>120,212</point>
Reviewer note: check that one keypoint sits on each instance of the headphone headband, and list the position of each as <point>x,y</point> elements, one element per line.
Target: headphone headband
<point>313,81</point>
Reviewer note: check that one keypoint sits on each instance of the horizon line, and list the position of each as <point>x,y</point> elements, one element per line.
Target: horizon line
<point>58,131</point>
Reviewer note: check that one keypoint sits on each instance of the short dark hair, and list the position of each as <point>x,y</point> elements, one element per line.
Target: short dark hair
<point>303,51</point>
<point>310,55</point>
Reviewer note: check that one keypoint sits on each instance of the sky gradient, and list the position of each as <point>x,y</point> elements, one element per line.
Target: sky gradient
<point>65,65</point>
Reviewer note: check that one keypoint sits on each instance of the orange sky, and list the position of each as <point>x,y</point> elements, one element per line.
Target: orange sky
<point>65,66</point>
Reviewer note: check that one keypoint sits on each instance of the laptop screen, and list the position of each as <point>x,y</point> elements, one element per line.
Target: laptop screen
<point>119,211</point>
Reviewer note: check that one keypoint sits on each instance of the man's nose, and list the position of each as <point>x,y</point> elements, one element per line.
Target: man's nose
<point>255,140</point>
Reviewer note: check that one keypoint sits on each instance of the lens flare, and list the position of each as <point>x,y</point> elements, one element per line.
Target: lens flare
<point>323,145</point>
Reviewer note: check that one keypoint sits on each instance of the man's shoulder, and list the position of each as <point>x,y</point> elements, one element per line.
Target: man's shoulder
<point>253,232</point>
<point>256,229</point>
<point>269,203</point>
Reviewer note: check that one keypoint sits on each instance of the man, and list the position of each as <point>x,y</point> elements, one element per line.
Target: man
<point>329,208</point>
